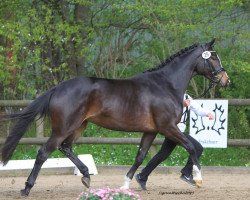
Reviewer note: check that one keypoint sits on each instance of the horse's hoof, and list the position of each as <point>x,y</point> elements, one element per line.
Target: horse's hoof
<point>86,181</point>
<point>141,182</point>
<point>24,193</point>
<point>198,183</point>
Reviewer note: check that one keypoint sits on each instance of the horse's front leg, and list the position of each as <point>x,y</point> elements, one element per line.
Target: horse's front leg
<point>176,135</point>
<point>194,157</point>
<point>145,144</point>
<point>196,166</point>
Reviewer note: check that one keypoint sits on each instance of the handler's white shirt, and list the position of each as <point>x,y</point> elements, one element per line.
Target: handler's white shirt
<point>195,107</point>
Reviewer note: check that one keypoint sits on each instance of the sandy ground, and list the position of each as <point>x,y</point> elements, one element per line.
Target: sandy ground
<point>221,185</point>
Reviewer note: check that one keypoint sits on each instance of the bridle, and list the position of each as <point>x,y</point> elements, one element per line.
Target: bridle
<point>212,81</point>
<point>206,55</point>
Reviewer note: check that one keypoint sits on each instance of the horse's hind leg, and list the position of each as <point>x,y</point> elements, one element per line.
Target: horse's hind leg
<point>66,149</point>
<point>145,144</point>
<point>51,145</point>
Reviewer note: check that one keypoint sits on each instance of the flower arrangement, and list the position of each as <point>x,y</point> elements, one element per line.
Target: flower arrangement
<point>108,194</point>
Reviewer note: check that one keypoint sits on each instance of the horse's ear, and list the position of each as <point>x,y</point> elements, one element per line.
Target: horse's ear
<point>210,44</point>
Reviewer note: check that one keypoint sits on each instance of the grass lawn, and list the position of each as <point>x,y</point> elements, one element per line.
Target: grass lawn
<point>125,154</point>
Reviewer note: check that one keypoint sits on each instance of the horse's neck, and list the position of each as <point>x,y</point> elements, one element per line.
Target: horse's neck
<point>175,76</point>
<point>178,74</point>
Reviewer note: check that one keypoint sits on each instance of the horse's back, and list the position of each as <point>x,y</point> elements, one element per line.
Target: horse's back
<point>115,104</point>
<point>111,103</point>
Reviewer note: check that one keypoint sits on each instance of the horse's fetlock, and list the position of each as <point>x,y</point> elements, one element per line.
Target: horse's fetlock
<point>28,184</point>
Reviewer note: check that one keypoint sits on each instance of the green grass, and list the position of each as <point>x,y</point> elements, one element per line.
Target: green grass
<point>125,154</point>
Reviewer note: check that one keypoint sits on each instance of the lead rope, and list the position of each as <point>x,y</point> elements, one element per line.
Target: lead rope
<point>211,84</point>
<point>185,112</point>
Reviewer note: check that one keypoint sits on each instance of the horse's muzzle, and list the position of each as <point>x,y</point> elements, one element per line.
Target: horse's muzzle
<point>223,79</point>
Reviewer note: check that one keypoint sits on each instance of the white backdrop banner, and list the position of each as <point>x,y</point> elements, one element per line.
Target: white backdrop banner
<point>211,133</point>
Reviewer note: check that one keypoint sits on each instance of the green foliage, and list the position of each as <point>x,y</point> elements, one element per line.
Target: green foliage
<point>56,40</point>
<point>238,122</point>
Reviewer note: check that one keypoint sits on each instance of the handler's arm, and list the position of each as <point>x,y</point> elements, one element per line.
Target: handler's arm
<point>195,107</point>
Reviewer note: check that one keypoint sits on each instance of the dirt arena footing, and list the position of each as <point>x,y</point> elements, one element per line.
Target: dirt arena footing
<point>219,183</point>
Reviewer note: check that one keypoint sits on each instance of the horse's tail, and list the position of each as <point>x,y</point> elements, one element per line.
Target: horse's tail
<point>24,118</point>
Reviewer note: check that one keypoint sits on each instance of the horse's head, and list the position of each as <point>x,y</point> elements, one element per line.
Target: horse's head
<point>210,66</point>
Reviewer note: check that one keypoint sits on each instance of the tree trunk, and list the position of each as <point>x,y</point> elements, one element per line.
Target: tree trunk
<point>82,19</point>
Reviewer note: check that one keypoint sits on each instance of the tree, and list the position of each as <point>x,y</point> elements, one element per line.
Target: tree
<point>57,40</point>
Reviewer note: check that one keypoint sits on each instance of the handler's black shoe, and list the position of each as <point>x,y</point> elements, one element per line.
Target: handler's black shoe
<point>188,179</point>
<point>141,182</point>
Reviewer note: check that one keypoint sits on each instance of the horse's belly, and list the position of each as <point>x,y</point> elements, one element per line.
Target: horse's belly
<point>122,124</point>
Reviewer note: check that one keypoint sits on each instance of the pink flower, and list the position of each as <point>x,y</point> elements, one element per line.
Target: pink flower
<point>108,194</point>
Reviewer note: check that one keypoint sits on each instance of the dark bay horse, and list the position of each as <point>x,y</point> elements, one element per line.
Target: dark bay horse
<point>150,102</point>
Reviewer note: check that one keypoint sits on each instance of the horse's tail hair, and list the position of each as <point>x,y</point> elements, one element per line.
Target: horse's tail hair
<point>39,106</point>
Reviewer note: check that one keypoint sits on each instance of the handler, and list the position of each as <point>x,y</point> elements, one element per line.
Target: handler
<point>168,146</point>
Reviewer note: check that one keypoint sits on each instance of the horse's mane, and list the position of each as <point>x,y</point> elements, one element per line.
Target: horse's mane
<point>168,60</point>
